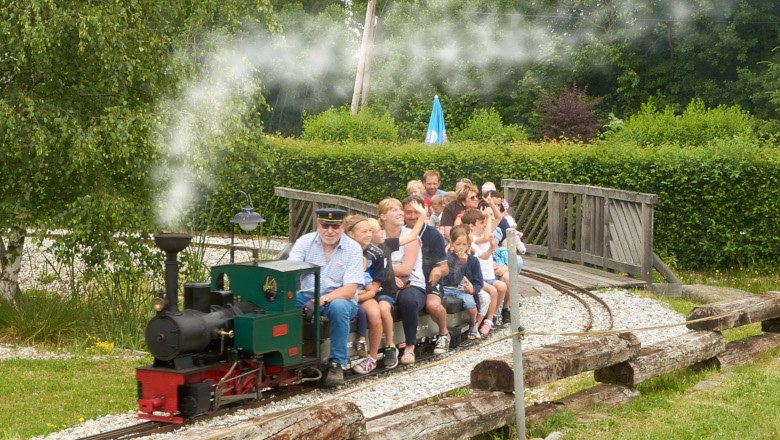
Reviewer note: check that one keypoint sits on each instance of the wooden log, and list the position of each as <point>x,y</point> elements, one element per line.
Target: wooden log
<point>330,420</point>
<point>599,395</point>
<point>745,351</point>
<point>556,361</point>
<point>455,418</point>
<point>484,411</point>
<point>670,355</point>
<point>736,313</point>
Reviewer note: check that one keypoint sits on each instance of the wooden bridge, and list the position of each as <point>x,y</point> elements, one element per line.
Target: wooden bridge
<point>589,236</point>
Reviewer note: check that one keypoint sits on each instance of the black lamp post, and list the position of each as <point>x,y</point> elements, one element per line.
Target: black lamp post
<point>247,219</point>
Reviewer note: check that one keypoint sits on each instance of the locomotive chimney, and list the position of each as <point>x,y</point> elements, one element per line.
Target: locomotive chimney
<point>172,244</point>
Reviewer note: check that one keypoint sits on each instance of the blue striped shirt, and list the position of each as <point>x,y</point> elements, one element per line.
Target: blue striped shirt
<point>345,265</point>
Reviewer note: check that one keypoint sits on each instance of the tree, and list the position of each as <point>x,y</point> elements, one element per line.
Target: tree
<point>79,86</point>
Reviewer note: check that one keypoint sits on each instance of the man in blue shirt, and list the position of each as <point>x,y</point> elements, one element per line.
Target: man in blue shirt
<point>341,262</point>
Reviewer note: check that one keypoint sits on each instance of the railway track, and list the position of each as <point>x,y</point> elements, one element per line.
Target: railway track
<point>578,293</point>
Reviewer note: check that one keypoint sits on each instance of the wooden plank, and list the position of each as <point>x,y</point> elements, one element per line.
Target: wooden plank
<point>620,244</point>
<point>730,314</point>
<point>648,256</point>
<point>555,361</point>
<point>453,418</point>
<point>579,234</point>
<point>670,355</point>
<point>600,395</point>
<point>618,194</point>
<point>746,350</point>
<point>554,223</point>
<point>582,276</point>
<point>331,420</point>
<point>538,219</point>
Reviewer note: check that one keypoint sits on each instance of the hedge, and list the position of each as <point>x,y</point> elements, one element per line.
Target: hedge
<point>718,207</point>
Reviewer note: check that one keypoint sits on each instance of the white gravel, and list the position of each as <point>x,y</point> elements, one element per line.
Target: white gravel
<point>551,314</point>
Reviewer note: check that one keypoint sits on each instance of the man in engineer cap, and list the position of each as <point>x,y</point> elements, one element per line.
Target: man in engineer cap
<point>341,262</point>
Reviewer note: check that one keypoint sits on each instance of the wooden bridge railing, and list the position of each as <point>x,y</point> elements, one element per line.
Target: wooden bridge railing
<point>600,227</point>
<point>304,203</point>
<point>606,228</point>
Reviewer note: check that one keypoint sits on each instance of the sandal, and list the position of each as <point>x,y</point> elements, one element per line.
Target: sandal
<point>408,357</point>
<point>472,334</point>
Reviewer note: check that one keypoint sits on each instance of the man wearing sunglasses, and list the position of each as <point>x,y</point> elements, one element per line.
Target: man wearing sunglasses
<point>341,262</point>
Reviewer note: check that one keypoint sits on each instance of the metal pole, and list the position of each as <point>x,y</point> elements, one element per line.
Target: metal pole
<point>517,347</point>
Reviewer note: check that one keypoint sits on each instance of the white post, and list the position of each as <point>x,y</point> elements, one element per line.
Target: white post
<point>514,325</point>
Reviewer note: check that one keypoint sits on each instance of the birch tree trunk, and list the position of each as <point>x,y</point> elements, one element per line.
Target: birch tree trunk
<point>11,247</point>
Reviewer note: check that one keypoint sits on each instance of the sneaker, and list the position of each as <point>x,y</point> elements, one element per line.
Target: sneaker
<point>506,316</point>
<point>497,321</point>
<point>408,357</point>
<point>486,327</point>
<point>442,344</point>
<point>361,348</point>
<point>334,376</point>
<point>365,366</point>
<point>391,357</point>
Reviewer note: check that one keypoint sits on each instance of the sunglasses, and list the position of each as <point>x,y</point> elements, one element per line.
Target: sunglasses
<point>473,198</point>
<point>329,226</point>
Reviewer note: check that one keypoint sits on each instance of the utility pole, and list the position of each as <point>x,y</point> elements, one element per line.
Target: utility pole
<point>360,92</point>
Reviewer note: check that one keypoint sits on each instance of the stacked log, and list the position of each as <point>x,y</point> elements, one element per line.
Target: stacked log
<point>453,418</point>
<point>327,421</point>
<point>670,355</point>
<point>729,314</point>
<point>556,361</point>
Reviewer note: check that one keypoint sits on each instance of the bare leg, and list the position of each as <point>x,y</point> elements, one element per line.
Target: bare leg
<point>492,291</point>
<point>501,289</point>
<point>436,310</point>
<point>374,326</point>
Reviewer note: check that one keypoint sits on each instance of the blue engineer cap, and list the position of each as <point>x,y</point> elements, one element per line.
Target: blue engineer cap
<point>330,216</point>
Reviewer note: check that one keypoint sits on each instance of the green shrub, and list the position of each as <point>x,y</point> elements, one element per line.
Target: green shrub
<point>485,125</point>
<point>339,125</point>
<point>696,126</point>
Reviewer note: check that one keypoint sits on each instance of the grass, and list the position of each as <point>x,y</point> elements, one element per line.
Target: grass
<point>742,402</point>
<point>43,396</point>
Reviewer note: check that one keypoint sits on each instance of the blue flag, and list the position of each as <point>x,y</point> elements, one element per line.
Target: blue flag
<point>437,134</point>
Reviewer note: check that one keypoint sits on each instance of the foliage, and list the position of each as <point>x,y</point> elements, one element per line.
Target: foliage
<point>65,320</point>
<point>717,204</point>
<point>340,125</point>
<point>487,126</point>
<point>33,400</point>
<point>696,126</point>
<point>80,84</point>
<point>569,115</point>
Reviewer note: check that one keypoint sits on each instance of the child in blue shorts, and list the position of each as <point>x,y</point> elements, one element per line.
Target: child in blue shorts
<point>464,280</point>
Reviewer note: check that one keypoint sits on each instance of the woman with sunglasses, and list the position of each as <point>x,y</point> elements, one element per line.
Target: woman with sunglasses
<point>467,197</point>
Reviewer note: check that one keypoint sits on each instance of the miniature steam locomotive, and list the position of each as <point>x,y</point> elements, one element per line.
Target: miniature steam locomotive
<point>237,336</point>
